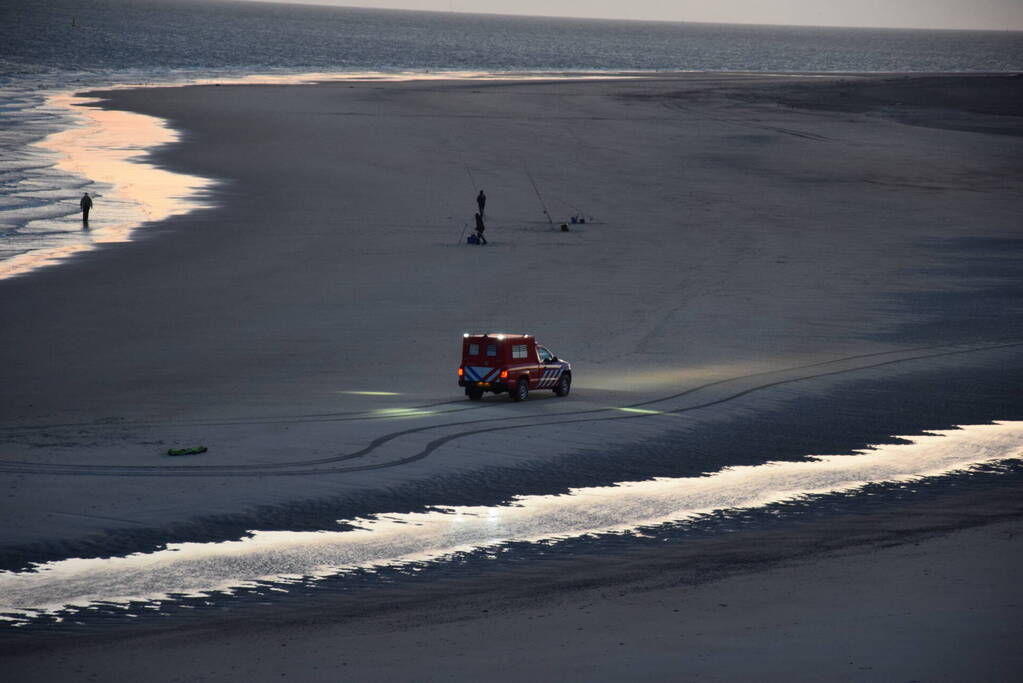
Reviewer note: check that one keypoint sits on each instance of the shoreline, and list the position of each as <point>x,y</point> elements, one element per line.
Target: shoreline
<point>79,104</point>
<point>97,163</point>
<point>109,149</point>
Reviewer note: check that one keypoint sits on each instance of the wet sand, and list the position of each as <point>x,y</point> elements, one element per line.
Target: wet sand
<point>740,245</point>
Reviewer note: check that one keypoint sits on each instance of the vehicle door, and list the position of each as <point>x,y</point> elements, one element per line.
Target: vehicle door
<point>550,368</point>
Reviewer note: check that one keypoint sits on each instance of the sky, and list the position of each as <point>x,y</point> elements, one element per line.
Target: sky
<point>963,14</point>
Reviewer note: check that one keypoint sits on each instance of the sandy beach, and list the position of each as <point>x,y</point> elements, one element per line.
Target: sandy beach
<point>771,267</point>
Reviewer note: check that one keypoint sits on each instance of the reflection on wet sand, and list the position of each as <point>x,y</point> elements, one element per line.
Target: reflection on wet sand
<point>110,148</point>
<point>281,556</point>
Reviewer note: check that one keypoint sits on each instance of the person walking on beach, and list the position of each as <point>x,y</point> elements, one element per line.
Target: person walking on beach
<point>481,201</point>
<point>86,204</point>
<point>480,239</point>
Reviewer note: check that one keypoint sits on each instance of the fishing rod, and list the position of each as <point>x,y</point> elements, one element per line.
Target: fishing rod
<point>537,191</point>
<point>472,179</point>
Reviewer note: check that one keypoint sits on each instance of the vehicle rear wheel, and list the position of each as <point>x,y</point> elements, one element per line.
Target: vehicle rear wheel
<point>563,386</point>
<point>521,392</point>
<point>474,393</point>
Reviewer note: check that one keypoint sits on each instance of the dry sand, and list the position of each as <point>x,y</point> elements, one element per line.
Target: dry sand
<point>739,225</point>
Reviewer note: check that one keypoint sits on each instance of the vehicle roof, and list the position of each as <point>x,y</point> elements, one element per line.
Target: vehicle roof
<point>496,335</point>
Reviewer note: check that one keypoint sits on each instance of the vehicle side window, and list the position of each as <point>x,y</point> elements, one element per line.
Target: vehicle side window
<point>545,355</point>
<point>519,351</point>
<point>492,350</point>
<point>474,349</point>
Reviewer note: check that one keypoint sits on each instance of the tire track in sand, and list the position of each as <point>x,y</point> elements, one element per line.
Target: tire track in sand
<point>312,467</point>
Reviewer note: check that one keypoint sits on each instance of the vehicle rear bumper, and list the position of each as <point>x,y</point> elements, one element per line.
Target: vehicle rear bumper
<point>496,387</point>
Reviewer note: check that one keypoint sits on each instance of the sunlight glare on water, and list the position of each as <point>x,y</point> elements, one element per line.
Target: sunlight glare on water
<point>202,568</point>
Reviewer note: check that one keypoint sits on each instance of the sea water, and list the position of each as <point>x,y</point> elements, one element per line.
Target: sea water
<point>59,46</point>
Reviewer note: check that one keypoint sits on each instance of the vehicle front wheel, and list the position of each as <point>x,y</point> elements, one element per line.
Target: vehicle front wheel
<point>521,392</point>
<point>563,386</point>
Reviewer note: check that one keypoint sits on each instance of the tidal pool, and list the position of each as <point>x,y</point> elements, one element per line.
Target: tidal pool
<point>197,569</point>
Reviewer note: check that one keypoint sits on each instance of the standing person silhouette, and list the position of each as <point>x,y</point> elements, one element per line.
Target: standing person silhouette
<point>480,239</point>
<point>481,201</point>
<point>86,204</point>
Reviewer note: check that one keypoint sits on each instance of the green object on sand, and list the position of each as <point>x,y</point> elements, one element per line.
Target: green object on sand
<point>187,451</point>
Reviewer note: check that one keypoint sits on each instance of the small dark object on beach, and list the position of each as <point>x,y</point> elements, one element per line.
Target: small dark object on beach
<point>564,228</point>
<point>196,450</point>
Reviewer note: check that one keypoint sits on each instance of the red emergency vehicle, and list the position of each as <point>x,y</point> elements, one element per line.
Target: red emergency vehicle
<point>510,362</point>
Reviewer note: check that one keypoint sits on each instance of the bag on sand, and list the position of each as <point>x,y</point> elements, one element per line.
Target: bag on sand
<point>471,239</point>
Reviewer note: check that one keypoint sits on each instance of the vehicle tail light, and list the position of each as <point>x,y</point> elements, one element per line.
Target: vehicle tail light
<point>461,371</point>
<point>504,374</point>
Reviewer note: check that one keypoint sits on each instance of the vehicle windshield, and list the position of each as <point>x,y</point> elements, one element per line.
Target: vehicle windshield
<point>545,355</point>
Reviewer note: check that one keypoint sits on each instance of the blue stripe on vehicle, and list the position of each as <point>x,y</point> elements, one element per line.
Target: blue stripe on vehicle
<point>480,374</point>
